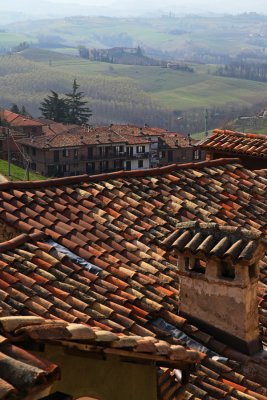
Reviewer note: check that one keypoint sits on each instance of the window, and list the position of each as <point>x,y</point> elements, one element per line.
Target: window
<point>76,153</point>
<point>170,155</point>
<point>118,149</point>
<point>50,170</point>
<point>128,166</point>
<point>56,156</point>
<point>106,151</point>
<point>66,152</point>
<point>140,149</point>
<point>227,271</point>
<point>196,154</point>
<point>33,151</point>
<point>90,168</point>
<point>90,152</point>
<point>140,163</point>
<point>163,154</point>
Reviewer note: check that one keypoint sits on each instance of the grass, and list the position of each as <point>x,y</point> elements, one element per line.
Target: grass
<point>175,89</point>
<point>9,39</point>
<point>221,34</point>
<point>17,173</point>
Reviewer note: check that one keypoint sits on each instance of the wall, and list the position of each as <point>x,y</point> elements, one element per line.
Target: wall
<point>134,163</point>
<point>228,308</point>
<point>109,379</point>
<point>251,163</point>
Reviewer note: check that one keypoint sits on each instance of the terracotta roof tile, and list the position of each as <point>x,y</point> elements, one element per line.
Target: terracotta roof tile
<point>124,278</point>
<point>236,143</point>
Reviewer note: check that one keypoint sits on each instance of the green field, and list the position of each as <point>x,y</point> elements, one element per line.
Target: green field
<point>173,89</point>
<point>17,173</point>
<point>121,93</point>
<point>178,37</point>
<point>10,39</point>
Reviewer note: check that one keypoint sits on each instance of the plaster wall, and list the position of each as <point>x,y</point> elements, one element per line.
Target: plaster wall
<point>110,379</point>
<point>230,308</point>
<point>134,164</point>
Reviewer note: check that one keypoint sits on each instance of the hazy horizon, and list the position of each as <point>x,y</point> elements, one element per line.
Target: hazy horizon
<point>52,8</point>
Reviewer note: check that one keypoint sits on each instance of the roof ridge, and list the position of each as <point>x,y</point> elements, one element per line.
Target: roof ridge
<point>231,230</point>
<point>237,133</point>
<point>116,175</point>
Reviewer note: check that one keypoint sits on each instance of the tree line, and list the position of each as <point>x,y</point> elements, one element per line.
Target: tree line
<point>244,70</point>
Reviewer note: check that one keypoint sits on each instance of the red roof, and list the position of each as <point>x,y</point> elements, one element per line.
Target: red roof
<point>22,373</point>
<point>236,143</point>
<point>102,261</point>
<point>78,136</point>
<point>15,120</point>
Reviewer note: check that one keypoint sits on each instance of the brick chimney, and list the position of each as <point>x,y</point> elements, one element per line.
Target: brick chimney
<point>218,268</point>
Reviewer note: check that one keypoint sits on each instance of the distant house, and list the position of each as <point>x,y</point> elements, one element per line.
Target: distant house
<point>14,127</point>
<point>177,148</point>
<point>86,151</point>
<point>249,147</point>
<point>20,123</point>
<point>122,55</point>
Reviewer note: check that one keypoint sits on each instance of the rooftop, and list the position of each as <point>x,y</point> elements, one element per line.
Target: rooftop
<point>91,252</point>
<point>22,373</point>
<point>16,120</point>
<point>213,241</point>
<point>58,137</point>
<point>237,143</point>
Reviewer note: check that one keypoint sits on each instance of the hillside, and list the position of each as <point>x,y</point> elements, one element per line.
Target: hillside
<point>122,93</point>
<point>188,37</point>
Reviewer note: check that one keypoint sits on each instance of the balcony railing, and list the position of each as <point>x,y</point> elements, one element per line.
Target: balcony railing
<point>122,155</point>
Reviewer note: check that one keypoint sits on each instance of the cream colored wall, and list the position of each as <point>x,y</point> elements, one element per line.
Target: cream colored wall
<point>109,379</point>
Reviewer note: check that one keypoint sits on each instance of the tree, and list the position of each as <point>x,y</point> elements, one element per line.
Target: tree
<point>14,108</point>
<point>24,112</point>
<point>55,108</point>
<point>78,113</point>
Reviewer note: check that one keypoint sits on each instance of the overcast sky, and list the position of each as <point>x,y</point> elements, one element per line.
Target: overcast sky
<point>211,5</point>
<point>130,7</point>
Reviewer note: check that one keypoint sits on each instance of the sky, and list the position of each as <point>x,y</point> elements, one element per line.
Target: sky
<point>46,8</point>
<point>177,5</point>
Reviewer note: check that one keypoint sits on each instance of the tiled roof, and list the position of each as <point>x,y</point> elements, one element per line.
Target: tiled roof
<point>16,120</point>
<point>54,128</point>
<point>77,136</point>
<point>248,144</point>
<point>107,342</point>
<point>138,131</point>
<point>174,141</point>
<point>210,240</point>
<point>22,373</point>
<point>104,264</point>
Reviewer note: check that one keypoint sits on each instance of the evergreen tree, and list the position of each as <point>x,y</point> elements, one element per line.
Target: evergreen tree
<point>24,112</point>
<point>55,108</point>
<point>14,108</point>
<point>78,113</point>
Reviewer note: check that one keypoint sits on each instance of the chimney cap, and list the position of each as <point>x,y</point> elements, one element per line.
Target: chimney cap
<point>226,243</point>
